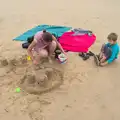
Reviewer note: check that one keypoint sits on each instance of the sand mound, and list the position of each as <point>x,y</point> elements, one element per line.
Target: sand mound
<point>42,80</point>
<point>18,61</point>
<point>35,80</point>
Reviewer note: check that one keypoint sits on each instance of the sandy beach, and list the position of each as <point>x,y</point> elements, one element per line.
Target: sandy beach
<point>88,92</point>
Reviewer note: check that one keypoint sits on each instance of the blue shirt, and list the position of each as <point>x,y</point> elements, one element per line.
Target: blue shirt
<point>115,52</point>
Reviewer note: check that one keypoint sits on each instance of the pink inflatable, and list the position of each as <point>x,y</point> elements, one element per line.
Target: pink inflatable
<point>77,43</point>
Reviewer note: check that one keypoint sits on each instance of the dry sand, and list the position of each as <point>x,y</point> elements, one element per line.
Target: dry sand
<point>88,92</point>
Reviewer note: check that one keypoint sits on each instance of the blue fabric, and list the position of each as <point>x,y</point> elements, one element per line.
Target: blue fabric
<point>55,30</point>
<point>115,52</point>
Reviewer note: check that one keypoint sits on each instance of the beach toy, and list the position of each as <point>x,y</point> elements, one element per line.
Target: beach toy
<point>62,58</point>
<point>28,58</point>
<point>18,90</point>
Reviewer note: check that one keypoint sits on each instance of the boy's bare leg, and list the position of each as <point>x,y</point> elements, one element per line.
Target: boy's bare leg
<point>103,59</point>
<point>101,52</point>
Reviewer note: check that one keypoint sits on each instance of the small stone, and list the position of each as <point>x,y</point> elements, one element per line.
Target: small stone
<point>67,106</point>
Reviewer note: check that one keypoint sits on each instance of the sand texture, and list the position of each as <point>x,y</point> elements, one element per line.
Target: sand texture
<point>76,90</point>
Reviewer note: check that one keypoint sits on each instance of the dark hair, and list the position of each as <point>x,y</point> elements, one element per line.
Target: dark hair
<point>44,31</point>
<point>47,36</point>
<point>112,36</point>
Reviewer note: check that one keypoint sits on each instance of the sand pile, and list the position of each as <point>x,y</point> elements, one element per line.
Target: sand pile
<point>17,61</point>
<point>42,80</point>
<point>36,81</point>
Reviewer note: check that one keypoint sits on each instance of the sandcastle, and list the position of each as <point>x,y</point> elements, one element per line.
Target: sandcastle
<point>35,81</point>
<point>42,80</point>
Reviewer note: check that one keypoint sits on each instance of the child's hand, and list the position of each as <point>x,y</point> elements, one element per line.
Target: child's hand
<point>35,62</point>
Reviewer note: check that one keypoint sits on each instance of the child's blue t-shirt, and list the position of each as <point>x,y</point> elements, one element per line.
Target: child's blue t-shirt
<point>115,52</point>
